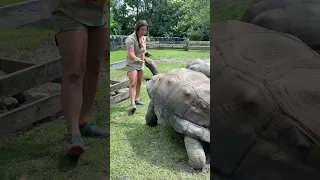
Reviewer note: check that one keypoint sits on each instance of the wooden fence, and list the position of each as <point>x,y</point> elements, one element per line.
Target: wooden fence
<point>20,77</point>
<point>118,42</point>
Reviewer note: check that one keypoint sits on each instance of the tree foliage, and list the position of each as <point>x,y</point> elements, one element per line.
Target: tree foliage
<point>179,18</point>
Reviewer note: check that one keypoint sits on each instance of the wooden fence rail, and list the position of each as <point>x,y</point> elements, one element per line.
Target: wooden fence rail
<point>119,43</point>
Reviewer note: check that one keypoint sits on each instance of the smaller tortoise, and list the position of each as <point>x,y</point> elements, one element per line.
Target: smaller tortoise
<point>181,99</point>
<point>200,66</point>
<point>300,18</point>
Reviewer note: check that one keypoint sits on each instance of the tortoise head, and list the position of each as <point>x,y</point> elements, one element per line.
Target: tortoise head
<point>150,84</point>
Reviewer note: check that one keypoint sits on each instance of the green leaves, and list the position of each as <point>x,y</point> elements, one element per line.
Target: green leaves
<point>190,18</point>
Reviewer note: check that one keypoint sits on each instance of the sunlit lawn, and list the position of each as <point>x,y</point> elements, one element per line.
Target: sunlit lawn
<point>138,151</point>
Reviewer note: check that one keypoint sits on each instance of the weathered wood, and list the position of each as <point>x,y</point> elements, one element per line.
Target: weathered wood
<point>118,65</point>
<point>204,48</point>
<point>21,14</point>
<point>120,85</point>
<point>10,66</point>
<point>119,97</point>
<point>30,113</point>
<point>29,77</point>
<point>199,43</point>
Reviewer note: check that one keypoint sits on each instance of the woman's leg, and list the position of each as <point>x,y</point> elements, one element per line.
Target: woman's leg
<point>73,50</point>
<point>97,49</point>
<point>132,85</point>
<point>138,87</point>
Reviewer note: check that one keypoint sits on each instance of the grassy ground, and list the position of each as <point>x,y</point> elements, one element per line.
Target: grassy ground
<point>38,153</point>
<point>12,40</point>
<point>229,9</point>
<point>176,58</point>
<point>141,152</point>
<point>7,2</point>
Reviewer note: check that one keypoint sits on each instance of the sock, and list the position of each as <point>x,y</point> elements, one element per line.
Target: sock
<point>82,125</point>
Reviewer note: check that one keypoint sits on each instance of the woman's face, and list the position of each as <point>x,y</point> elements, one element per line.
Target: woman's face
<point>142,31</point>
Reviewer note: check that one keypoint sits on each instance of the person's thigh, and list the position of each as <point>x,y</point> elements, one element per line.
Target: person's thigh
<point>72,39</point>
<point>98,47</point>
<point>140,77</point>
<point>132,77</point>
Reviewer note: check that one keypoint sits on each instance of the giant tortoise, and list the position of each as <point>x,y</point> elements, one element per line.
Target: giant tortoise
<point>200,65</point>
<point>181,99</point>
<point>300,18</point>
<point>265,110</point>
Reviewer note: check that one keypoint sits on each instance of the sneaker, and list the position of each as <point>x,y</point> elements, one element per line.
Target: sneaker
<point>91,130</point>
<point>138,102</point>
<point>133,107</point>
<point>75,145</point>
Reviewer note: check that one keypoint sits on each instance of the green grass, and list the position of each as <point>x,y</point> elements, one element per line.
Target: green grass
<point>38,153</point>
<point>7,2</point>
<point>116,56</point>
<point>138,151</point>
<point>224,10</point>
<point>176,58</point>
<point>12,40</point>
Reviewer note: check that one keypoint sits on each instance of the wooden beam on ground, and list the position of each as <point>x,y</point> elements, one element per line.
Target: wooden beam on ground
<point>35,12</point>
<point>29,77</point>
<point>118,65</point>
<point>30,113</point>
<point>120,85</point>
<point>118,98</point>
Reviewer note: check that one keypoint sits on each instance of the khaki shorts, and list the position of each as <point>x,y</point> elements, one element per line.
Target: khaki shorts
<point>62,23</point>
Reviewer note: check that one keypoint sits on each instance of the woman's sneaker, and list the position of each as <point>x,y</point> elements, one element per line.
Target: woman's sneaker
<point>138,102</point>
<point>75,145</point>
<point>91,130</point>
<point>133,107</point>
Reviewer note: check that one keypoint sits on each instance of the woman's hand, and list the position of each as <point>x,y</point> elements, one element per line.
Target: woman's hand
<point>137,59</point>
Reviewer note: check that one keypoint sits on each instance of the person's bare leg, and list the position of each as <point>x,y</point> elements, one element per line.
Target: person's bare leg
<point>97,49</point>
<point>132,85</point>
<point>73,50</point>
<point>139,82</point>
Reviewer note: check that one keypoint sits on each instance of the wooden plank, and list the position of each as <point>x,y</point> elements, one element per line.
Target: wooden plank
<point>18,15</point>
<point>113,82</point>
<point>175,48</point>
<point>204,43</point>
<point>30,113</point>
<point>120,85</point>
<point>10,66</point>
<point>118,65</point>
<point>199,48</point>
<point>119,97</point>
<point>27,78</point>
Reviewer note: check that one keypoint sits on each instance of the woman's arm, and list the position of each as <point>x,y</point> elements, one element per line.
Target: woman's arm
<point>132,55</point>
<point>130,48</point>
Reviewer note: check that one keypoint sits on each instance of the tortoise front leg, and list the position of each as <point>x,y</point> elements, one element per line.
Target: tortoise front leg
<point>195,151</point>
<point>151,117</point>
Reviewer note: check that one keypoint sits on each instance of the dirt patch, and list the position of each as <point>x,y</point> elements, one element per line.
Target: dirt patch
<point>41,162</point>
<point>48,51</point>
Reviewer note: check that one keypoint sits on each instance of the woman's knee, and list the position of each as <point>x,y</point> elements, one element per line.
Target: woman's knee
<point>75,76</point>
<point>133,84</point>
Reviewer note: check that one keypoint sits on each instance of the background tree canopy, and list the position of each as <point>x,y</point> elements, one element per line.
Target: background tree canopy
<point>175,18</point>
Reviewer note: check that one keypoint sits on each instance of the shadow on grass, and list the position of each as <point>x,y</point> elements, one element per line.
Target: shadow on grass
<point>159,146</point>
<point>67,163</point>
